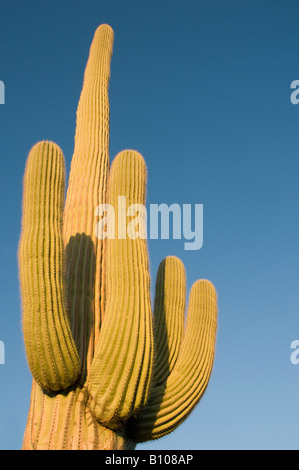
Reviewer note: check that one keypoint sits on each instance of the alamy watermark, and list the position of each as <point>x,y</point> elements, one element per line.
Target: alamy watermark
<point>295,354</point>
<point>2,353</point>
<point>295,94</point>
<point>2,101</point>
<point>294,358</point>
<point>134,222</point>
<point>2,92</point>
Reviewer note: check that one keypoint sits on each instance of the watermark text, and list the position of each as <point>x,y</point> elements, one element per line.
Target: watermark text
<point>134,222</point>
<point>295,354</point>
<point>295,94</point>
<point>2,92</point>
<point>2,353</point>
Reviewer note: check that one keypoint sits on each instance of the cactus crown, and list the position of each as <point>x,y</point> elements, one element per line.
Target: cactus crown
<point>108,372</point>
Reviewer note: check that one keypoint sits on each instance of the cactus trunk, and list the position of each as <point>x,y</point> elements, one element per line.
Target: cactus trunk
<point>65,422</point>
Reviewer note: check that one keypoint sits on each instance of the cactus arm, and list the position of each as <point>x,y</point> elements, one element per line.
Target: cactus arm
<point>171,402</point>
<point>50,348</point>
<point>121,369</point>
<point>169,312</point>
<point>86,190</point>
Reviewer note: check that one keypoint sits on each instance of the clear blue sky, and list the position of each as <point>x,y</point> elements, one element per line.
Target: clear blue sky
<point>202,90</point>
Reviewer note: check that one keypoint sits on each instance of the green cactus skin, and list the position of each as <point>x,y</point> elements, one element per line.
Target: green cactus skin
<point>107,371</point>
<point>176,391</point>
<point>51,351</point>
<point>127,347</point>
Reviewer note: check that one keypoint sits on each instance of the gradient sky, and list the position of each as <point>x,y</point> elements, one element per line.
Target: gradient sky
<point>202,90</point>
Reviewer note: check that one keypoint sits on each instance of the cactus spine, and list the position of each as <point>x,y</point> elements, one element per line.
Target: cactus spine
<point>107,371</point>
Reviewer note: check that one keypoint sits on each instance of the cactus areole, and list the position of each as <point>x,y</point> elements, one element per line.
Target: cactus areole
<point>108,370</point>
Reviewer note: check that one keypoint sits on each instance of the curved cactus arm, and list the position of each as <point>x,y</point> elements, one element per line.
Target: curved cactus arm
<point>170,403</point>
<point>120,374</point>
<point>86,191</point>
<point>50,347</point>
<point>169,312</point>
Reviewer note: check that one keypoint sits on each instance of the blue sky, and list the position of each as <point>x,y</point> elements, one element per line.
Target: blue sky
<point>202,90</point>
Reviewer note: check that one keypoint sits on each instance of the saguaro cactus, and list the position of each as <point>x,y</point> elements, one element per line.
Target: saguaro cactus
<point>108,372</point>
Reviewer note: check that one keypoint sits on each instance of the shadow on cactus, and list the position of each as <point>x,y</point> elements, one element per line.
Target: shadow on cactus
<point>108,372</point>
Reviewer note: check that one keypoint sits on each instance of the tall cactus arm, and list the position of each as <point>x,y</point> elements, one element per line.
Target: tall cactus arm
<point>172,401</point>
<point>121,369</point>
<point>50,348</point>
<point>86,191</point>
